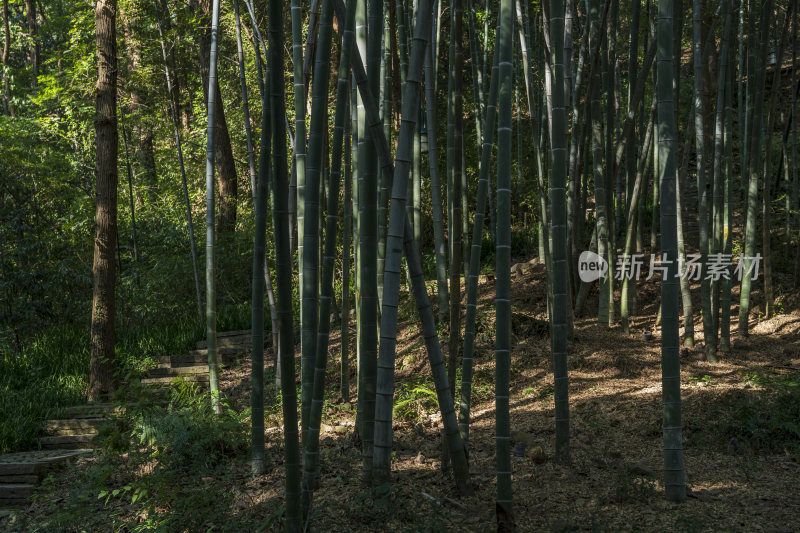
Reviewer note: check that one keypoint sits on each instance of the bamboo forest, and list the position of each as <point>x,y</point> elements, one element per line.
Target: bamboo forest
<point>399,265</point>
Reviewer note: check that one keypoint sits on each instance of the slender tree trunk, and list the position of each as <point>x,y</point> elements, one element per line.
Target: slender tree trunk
<point>558,209</point>
<point>629,278</point>
<point>716,245</point>
<point>223,153</point>
<point>439,243</point>
<point>503,264</point>
<point>766,228</point>
<point>33,35</point>
<point>102,377</point>
<point>7,106</point>
<point>754,170</point>
<point>454,346</point>
<point>211,290</point>
<point>674,480</point>
<point>467,368</point>
<point>319,327</point>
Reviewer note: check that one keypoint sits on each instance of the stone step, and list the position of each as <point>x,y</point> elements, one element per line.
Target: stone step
<point>74,426</point>
<point>36,461</point>
<point>13,491</point>
<point>68,442</point>
<point>179,371</point>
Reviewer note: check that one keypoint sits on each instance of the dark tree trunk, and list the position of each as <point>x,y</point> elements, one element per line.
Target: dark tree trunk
<point>144,150</point>
<point>223,153</point>
<point>33,53</point>
<point>101,379</point>
<point>6,45</point>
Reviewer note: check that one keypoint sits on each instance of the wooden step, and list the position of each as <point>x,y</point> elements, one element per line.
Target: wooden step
<point>21,478</point>
<point>234,333</point>
<point>164,381</point>
<point>74,426</point>
<point>240,341</point>
<point>68,442</point>
<point>200,358</point>
<point>36,461</point>
<point>90,410</point>
<point>179,371</point>
<point>15,491</point>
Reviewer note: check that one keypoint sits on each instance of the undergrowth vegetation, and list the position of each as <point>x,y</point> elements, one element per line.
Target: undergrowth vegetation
<point>52,371</point>
<point>167,466</point>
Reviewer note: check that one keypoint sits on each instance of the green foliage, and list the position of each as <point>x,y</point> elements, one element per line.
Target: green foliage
<point>414,401</point>
<point>164,469</point>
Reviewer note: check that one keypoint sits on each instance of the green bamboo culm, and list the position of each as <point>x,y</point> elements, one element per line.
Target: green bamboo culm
<point>455,221</point>
<point>504,41</point>
<point>307,359</point>
<point>601,205</point>
<point>754,166</point>
<point>467,367</point>
<point>439,243</point>
<point>314,308</point>
<point>211,290</point>
<point>400,238</point>
<point>277,100</point>
<point>674,480</point>
<point>259,258</point>
<point>558,233</point>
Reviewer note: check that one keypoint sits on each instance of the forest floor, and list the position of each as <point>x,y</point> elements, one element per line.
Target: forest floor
<point>741,443</point>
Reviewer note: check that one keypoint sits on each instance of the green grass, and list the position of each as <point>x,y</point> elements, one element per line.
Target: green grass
<point>52,371</point>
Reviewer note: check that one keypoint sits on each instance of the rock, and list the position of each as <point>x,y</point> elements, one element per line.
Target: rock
<point>647,336</point>
<point>537,455</point>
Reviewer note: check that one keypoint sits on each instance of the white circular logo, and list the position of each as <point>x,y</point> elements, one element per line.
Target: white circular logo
<point>591,267</point>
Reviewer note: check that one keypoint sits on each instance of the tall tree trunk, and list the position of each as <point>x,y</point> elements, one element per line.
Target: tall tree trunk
<point>674,480</point>
<point>144,149</point>
<point>601,205</point>
<point>703,187</point>
<point>33,36</point>
<point>277,102</point>
<point>319,326</point>
<point>102,377</point>
<point>223,153</point>
<point>558,211</point>
<point>9,109</point>
<point>454,346</point>
<point>754,170</point>
<point>467,367</point>
<point>503,265</point>
<point>211,288</point>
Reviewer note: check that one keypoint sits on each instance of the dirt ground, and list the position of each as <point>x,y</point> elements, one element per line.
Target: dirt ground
<point>614,481</point>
